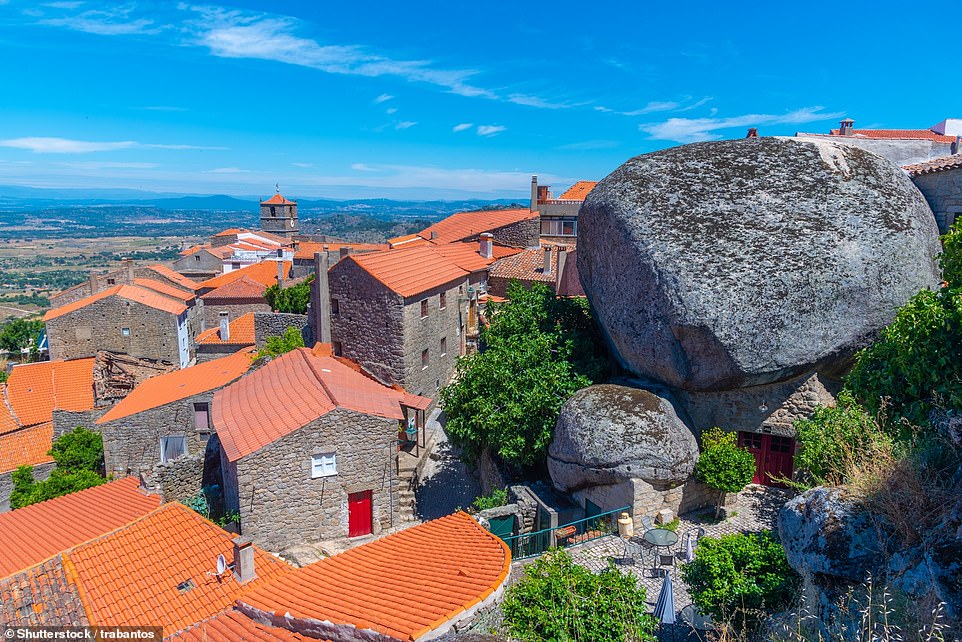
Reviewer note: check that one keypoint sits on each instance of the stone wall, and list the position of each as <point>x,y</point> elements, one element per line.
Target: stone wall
<point>177,480</point>
<point>65,421</point>
<point>280,504</point>
<point>201,265</point>
<point>943,191</point>
<point>210,309</point>
<point>647,500</point>
<point>521,234</point>
<point>132,443</point>
<point>368,323</point>
<point>490,475</point>
<point>99,326</point>
<point>274,324</point>
<point>899,151</point>
<point>40,473</point>
<point>426,333</point>
<point>771,408</point>
<point>101,282</point>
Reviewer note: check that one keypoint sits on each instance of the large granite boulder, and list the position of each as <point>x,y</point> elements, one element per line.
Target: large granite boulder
<point>720,265</point>
<point>610,433</point>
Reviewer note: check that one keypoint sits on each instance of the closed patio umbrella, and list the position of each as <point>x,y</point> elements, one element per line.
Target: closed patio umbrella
<point>689,549</point>
<point>665,606</point>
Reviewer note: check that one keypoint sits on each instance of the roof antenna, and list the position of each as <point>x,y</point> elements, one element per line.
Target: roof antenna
<point>277,188</point>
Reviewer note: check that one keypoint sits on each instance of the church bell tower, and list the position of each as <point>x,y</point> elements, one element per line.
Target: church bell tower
<point>279,216</point>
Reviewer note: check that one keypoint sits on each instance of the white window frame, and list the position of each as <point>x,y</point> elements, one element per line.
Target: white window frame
<point>164,447</point>
<point>323,465</point>
<point>125,332</point>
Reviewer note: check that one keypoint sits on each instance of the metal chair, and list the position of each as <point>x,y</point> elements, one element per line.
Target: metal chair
<point>665,560</point>
<point>700,534</point>
<point>631,548</point>
<point>647,523</point>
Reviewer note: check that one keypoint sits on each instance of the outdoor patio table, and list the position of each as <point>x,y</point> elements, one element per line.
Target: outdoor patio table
<point>660,538</point>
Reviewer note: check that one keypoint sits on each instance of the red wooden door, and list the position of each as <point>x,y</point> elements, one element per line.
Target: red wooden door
<point>754,443</point>
<point>359,513</point>
<point>779,459</point>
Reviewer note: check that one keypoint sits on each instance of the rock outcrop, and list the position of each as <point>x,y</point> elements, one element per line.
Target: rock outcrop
<point>609,434</point>
<point>716,266</point>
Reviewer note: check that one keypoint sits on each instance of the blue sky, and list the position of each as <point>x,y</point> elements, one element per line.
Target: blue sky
<point>439,99</point>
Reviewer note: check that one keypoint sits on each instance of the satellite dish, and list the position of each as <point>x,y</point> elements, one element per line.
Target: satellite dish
<point>221,564</point>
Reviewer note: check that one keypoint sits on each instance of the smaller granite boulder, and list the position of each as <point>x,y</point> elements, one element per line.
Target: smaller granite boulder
<point>610,433</point>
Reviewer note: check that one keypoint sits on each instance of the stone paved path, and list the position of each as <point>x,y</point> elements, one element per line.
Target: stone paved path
<point>445,483</point>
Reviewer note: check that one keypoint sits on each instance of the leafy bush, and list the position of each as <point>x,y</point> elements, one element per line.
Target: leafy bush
<point>79,458</point>
<point>276,346</point>
<point>498,497</point>
<point>79,450</point>
<point>741,577</point>
<point>293,299</point>
<point>507,397</point>
<point>18,334</point>
<point>951,258</point>
<point>560,601</point>
<point>722,465</point>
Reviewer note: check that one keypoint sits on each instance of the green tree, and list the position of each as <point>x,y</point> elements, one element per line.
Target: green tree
<point>79,450</point>
<point>18,334</point>
<point>23,486</point>
<point>951,258</point>
<point>559,601</point>
<point>276,346</point>
<point>293,299</point>
<point>507,397</point>
<point>723,466</point>
<point>79,461</point>
<point>738,578</point>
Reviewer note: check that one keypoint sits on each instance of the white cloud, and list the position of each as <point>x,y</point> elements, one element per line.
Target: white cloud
<point>228,170</point>
<point>363,167</point>
<point>383,98</point>
<point>689,130</point>
<point>115,21</point>
<point>303,165</point>
<point>657,106</point>
<point>390,110</point>
<point>535,101</point>
<point>490,130</point>
<point>51,145</point>
<point>462,126</point>
<point>405,124</point>
<point>74,4</point>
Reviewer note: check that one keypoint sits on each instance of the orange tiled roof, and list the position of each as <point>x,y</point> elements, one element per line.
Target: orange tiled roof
<point>404,585</point>
<point>163,288</point>
<point>935,165</point>
<point>306,249</point>
<point>195,248</point>
<point>8,422</point>
<point>32,534</point>
<point>41,596</point>
<point>241,332</point>
<point>277,199</point>
<point>233,231</point>
<point>188,284</point>
<point>467,255</point>
<point>912,134</point>
<point>264,273</point>
<point>242,288</point>
<point>34,390</point>
<point>181,384</point>
<point>408,240</point>
<point>136,293</point>
<point>410,271</point>
<point>26,447</point>
<point>294,390</point>
<point>131,576</point>
<point>527,266</point>
<point>578,191</point>
<point>232,626</point>
<point>464,225</point>
<point>255,244</point>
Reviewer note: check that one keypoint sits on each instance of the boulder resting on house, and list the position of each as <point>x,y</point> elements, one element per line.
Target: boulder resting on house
<point>608,434</point>
<point>720,265</point>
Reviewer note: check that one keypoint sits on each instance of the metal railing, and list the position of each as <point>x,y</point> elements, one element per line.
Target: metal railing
<point>565,535</point>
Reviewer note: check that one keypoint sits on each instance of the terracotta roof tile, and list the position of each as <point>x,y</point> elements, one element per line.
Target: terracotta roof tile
<point>41,596</point>
<point>131,576</point>
<point>578,191</point>
<point>935,165</point>
<point>277,199</point>
<point>167,290</point>
<point>292,391</point>
<point>233,625</point>
<point>306,249</point>
<point>181,384</point>
<point>264,273</point>
<point>464,225</point>
<point>404,585</point>
<point>467,255</point>
<point>527,266</point>
<point>26,447</point>
<point>8,422</point>
<point>242,288</point>
<point>194,249</point>
<point>408,240</point>
<point>410,271</point>
<point>34,533</point>
<point>241,333</point>
<point>145,296</point>
<point>34,390</point>
<point>232,231</point>
<point>188,284</point>
<point>912,134</point>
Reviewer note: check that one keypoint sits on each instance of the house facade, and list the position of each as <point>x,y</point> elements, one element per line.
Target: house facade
<point>558,216</point>
<point>126,275</point>
<point>309,447</point>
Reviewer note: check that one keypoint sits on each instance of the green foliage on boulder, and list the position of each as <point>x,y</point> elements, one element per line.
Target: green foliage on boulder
<point>722,465</point>
<point>560,601</point>
<point>276,346</point>
<point>739,578</point>
<point>293,299</point>
<point>537,352</point>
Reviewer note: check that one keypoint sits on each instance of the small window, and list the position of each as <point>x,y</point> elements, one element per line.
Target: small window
<point>338,350</point>
<point>443,300</point>
<point>197,257</point>
<point>273,213</point>
<point>568,228</point>
<point>424,308</point>
<point>202,417</point>
<point>125,332</point>
<point>235,266</point>
<point>444,346</point>
<point>111,281</point>
<point>335,307</point>
<point>323,465</point>
<point>425,358</point>
<point>172,447</point>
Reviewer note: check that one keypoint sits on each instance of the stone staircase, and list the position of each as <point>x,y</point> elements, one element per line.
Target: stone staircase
<point>407,480</point>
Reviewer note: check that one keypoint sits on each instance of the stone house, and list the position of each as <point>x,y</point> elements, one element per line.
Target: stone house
<point>143,321</point>
<point>940,181</point>
<point>240,297</point>
<point>511,228</point>
<point>128,274</point>
<point>279,216</point>
<point>201,261</point>
<point>250,329</point>
<point>167,417</point>
<point>553,265</point>
<point>309,448</point>
<point>558,217</point>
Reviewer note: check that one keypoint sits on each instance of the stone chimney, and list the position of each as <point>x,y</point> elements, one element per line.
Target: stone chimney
<point>752,132</point>
<point>546,268</point>
<point>346,251</point>
<point>562,259</point>
<point>244,560</point>
<point>487,245</point>
<point>321,299</point>
<point>957,145</point>
<point>129,270</point>
<point>543,193</point>
<point>434,235</point>
<point>280,274</point>
<point>845,127</point>
<point>534,193</point>
<point>224,317</point>
<point>94,282</point>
